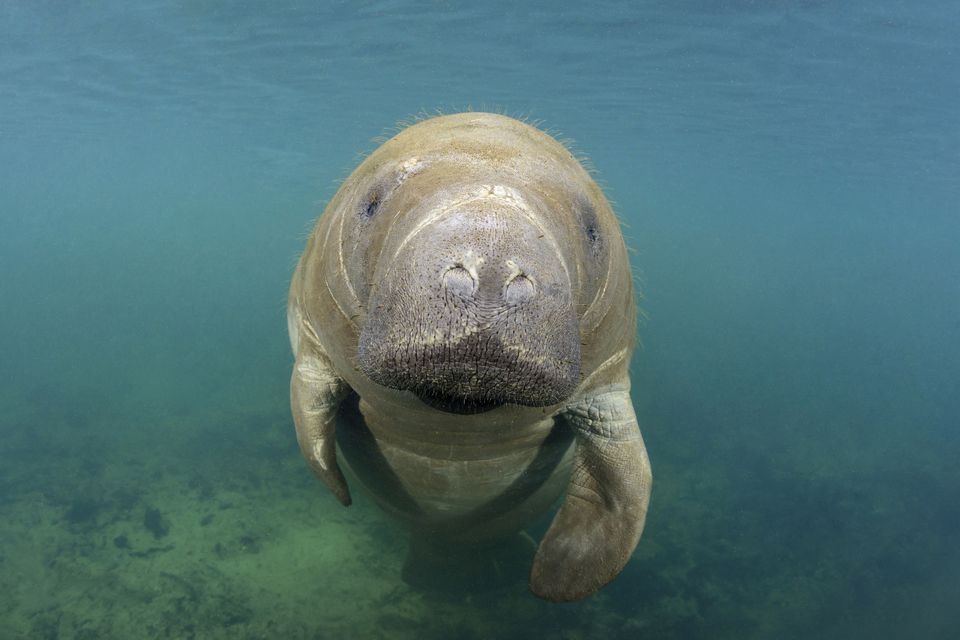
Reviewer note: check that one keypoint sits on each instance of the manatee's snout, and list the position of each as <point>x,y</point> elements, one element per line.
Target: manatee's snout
<point>474,311</point>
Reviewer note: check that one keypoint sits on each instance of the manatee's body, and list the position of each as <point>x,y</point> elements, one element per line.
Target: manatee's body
<point>462,319</point>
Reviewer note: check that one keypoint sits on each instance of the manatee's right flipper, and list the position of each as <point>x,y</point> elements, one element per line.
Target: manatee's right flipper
<point>315,395</point>
<point>599,524</point>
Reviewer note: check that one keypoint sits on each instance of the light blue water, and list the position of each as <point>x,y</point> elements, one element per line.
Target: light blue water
<point>788,174</point>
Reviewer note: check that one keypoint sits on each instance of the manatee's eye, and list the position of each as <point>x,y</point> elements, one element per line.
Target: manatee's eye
<point>593,235</point>
<point>388,180</point>
<point>371,204</point>
<point>590,225</point>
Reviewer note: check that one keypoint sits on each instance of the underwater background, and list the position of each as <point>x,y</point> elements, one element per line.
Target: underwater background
<point>787,174</point>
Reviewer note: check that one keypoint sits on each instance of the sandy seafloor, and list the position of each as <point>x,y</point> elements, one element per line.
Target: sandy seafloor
<point>209,537</point>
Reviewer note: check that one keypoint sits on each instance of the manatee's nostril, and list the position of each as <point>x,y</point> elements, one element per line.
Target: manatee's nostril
<point>458,280</point>
<point>519,289</point>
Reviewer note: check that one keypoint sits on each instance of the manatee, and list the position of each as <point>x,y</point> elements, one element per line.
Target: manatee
<point>462,321</point>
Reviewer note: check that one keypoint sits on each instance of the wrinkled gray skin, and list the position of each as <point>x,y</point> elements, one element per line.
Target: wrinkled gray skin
<point>462,320</point>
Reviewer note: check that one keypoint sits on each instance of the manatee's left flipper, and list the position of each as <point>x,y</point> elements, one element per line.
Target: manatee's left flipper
<point>599,524</point>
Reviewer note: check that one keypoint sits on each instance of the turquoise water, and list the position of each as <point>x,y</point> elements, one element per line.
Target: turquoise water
<point>787,173</point>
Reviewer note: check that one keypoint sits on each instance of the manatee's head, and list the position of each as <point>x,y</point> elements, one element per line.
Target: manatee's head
<point>473,253</point>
